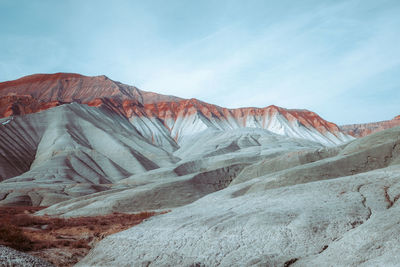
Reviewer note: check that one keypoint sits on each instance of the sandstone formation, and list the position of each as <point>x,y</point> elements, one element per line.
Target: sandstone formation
<point>71,87</point>
<point>361,130</point>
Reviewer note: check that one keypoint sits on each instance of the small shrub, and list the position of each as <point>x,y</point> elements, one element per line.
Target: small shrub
<point>14,237</point>
<point>80,244</point>
<point>25,220</point>
<point>65,243</point>
<point>144,215</point>
<point>44,245</point>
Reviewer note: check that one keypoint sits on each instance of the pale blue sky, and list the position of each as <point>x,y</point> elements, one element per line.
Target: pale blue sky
<point>340,59</point>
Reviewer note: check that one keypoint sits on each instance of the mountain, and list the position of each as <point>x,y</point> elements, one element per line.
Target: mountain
<point>71,87</point>
<point>164,120</point>
<point>187,117</point>
<point>238,187</point>
<point>67,135</point>
<point>38,92</point>
<point>361,130</point>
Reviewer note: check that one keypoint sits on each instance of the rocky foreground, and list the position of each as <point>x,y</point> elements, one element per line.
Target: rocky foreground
<point>339,211</point>
<point>56,241</point>
<point>12,257</point>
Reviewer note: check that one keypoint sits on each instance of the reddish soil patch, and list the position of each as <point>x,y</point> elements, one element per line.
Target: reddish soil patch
<point>62,242</point>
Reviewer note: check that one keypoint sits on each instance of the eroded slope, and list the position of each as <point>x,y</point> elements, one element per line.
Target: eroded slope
<point>69,151</point>
<point>344,218</point>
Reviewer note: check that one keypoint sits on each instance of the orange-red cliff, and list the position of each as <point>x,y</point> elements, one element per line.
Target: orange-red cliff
<point>361,130</point>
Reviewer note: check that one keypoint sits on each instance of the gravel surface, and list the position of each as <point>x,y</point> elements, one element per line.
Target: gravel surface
<point>11,257</point>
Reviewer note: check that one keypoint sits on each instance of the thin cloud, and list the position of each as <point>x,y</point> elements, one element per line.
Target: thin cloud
<point>326,56</point>
<point>293,69</point>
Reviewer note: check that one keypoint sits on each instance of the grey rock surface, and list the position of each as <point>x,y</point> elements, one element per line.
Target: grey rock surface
<point>243,197</point>
<point>70,150</point>
<point>188,180</point>
<point>337,221</point>
<point>336,217</point>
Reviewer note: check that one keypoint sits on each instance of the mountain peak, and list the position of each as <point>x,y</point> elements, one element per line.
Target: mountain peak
<point>40,77</point>
<point>72,87</point>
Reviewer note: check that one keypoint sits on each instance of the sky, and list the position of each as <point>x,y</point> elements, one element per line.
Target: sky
<point>340,59</point>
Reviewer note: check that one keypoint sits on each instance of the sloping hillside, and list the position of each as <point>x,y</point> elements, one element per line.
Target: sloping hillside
<point>307,215</point>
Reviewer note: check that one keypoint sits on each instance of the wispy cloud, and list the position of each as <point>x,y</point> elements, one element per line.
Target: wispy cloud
<point>310,61</point>
<point>327,56</point>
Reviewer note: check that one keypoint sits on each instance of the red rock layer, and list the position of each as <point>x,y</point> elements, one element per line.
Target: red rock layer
<point>19,105</point>
<point>40,91</point>
<point>361,130</point>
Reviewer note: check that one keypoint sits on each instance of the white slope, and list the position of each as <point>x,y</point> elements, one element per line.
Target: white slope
<point>188,125</point>
<point>155,132</point>
<point>343,222</point>
<point>210,164</point>
<point>213,142</point>
<point>72,144</point>
<point>293,218</point>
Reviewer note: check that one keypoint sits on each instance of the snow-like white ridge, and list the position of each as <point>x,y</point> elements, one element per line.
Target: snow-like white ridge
<point>185,126</point>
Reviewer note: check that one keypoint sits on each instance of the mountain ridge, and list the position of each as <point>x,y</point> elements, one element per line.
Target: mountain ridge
<point>364,129</point>
<point>156,116</point>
